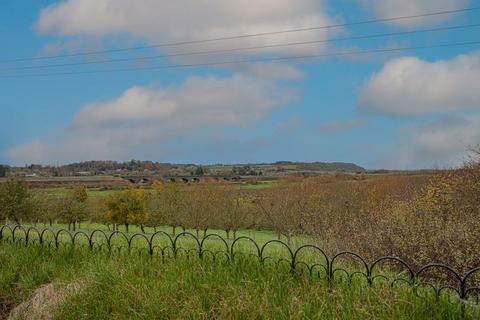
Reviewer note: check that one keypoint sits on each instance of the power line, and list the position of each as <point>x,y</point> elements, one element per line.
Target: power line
<point>289,44</point>
<point>288,58</point>
<point>169,44</point>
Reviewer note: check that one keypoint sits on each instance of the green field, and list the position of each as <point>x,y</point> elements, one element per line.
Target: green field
<point>102,193</point>
<point>61,192</point>
<point>187,242</point>
<point>257,185</point>
<point>84,284</point>
<point>260,236</point>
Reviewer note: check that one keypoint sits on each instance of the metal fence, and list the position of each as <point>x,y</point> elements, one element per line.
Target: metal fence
<point>437,279</point>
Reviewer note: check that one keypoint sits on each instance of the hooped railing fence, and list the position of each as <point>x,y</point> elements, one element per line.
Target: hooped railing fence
<point>437,279</point>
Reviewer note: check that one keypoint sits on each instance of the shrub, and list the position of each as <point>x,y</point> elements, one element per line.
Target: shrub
<point>15,200</point>
<point>127,207</point>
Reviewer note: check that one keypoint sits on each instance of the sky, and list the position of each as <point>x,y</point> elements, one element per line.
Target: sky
<point>392,108</point>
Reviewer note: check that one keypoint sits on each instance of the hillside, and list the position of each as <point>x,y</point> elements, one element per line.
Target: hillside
<point>134,167</point>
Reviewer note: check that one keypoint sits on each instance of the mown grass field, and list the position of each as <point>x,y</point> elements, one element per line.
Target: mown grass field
<point>260,236</point>
<point>258,185</point>
<point>103,193</point>
<point>84,284</point>
<point>60,192</point>
<point>186,240</point>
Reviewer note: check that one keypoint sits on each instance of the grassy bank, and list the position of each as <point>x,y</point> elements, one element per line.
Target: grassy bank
<point>89,284</point>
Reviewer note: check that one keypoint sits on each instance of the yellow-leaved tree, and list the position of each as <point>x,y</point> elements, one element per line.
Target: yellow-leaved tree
<point>15,200</point>
<point>73,208</point>
<point>127,207</point>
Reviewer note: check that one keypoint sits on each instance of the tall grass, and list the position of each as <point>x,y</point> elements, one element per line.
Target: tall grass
<point>126,287</point>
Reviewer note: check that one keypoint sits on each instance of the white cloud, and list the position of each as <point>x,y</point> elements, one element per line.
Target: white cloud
<point>183,20</point>
<point>144,118</point>
<point>385,9</point>
<point>342,126</point>
<point>444,142</point>
<point>409,86</point>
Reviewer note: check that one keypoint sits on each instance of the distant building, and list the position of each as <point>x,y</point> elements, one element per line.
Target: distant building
<point>31,175</point>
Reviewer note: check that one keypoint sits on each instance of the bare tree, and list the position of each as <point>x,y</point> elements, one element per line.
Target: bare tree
<point>234,210</point>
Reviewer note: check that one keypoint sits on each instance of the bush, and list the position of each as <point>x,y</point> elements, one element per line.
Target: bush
<point>15,200</point>
<point>127,207</point>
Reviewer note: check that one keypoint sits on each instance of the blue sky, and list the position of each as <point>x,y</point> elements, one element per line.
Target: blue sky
<point>405,109</point>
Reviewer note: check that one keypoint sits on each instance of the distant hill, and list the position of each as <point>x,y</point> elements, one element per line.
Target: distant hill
<point>135,167</point>
<point>324,166</point>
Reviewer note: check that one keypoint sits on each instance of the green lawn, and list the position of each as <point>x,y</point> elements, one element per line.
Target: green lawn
<point>84,284</point>
<point>213,244</point>
<point>101,193</point>
<point>60,192</point>
<point>260,236</point>
<point>258,185</point>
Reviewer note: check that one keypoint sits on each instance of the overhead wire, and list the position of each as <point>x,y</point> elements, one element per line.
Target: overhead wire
<point>240,61</point>
<point>228,50</point>
<point>168,44</point>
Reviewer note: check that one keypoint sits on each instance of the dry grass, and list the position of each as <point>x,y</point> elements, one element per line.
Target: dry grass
<point>45,301</point>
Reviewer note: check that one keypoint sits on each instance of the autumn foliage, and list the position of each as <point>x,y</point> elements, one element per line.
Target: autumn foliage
<point>127,207</point>
<point>422,218</point>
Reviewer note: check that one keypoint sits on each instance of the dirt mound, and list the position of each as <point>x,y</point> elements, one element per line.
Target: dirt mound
<point>44,301</point>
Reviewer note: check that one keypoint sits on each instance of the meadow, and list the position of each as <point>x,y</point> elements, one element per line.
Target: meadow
<point>421,218</point>
<point>36,282</point>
